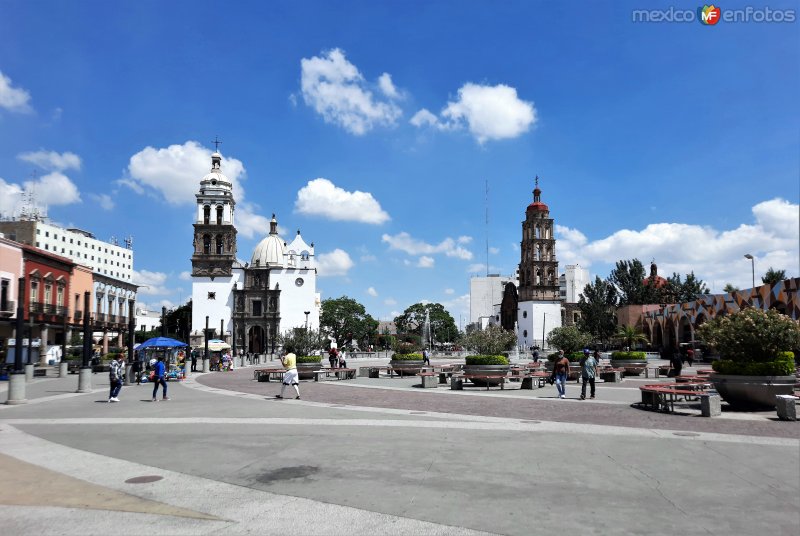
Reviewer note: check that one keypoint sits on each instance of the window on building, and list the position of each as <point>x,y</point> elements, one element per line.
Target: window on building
<point>47,234</point>
<point>48,292</point>
<point>524,314</point>
<point>206,244</point>
<point>219,214</point>
<point>38,231</point>
<point>60,296</point>
<point>4,294</point>
<point>46,247</point>
<point>206,214</point>
<point>219,245</point>
<point>37,244</point>
<point>34,291</point>
<point>256,307</point>
<point>70,241</point>
<point>525,333</point>
<point>212,295</point>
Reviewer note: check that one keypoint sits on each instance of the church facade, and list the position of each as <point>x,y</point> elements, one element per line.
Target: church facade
<point>247,304</point>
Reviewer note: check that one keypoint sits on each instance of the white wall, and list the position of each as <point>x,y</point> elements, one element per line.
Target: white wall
<point>576,278</point>
<point>219,308</point>
<point>103,257</point>
<point>296,300</point>
<point>530,318</point>
<point>484,294</point>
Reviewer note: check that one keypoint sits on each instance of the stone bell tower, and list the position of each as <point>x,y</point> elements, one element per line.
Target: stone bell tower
<point>538,267</point>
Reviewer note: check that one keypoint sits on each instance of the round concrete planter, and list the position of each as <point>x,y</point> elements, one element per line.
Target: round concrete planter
<point>486,369</point>
<point>630,365</point>
<point>752,392</point>
<point>406,368</point>
<point>305,371</point>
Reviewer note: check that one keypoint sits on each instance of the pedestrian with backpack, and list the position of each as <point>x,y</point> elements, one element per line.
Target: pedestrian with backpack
<point>116,372</point>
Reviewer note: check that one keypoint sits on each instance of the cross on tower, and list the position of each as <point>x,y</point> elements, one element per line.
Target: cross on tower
<point>216,143</point>
<point>537,181</point>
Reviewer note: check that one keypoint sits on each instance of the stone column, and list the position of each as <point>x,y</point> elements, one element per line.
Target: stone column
<point>43,334</point>
<point>63,368</point>
<point>85,380</point>
<point>206,365</point>
<point>28,373</point>
<point>16,389</point>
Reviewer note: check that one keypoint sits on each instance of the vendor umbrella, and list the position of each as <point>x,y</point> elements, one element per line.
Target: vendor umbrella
<point>161,342</point>
<point>216,345</point>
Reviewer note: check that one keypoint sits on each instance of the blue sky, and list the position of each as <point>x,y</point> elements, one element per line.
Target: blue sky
<point>374,126</point>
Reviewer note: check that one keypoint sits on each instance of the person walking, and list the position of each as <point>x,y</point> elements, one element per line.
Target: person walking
<point>159,372</point>
<point>194,361</point>
<point>290,377</point>
<point>115,373</point>
<point>426,357</point>
<point>561,369</point>
<point>588,372</point>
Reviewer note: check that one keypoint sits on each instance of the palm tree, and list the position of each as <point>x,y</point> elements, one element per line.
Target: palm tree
<point>630,335</point>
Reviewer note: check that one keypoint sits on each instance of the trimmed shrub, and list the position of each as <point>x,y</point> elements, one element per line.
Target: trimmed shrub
<point>632,356</point>
<point>309,359</point>
<point>486,360</point>
<point>783,365</point>
<point>573,357</point>
<point>751,335</point>
<point>407,357</point>
<point>405,348</point>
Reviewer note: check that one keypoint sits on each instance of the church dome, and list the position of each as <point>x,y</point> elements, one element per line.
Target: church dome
<point>270,251</point>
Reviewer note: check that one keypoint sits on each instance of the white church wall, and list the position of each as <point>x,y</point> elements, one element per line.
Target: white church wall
<point>216,309</point>
<point>532,317</point>
<point>295,300</point>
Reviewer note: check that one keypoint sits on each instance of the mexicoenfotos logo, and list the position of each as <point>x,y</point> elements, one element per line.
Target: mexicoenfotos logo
<point>709,15</point>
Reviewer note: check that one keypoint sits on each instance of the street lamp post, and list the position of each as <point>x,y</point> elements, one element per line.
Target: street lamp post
<point>85,374</point>
<point>752,266</point>
<point>206,357</point>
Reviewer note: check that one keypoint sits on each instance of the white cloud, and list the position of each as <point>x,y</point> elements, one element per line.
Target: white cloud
<point>104,200</point>
<point>320,197</point>
<point>185,276</point>
<point>425,118</point>
<point>52,160</point>
<point>488,112</point>
<point>464,239</point>
<point>494,251</point>
<point>337,262</point>
<point>174,173</point>
<point>336,90</point>
<point>713,255</point>
<point>368,258</point>
<point>390,302</point>
<point>425,262</point>
<point>387,86</point>
<point>150,283</point>
<point>372,292</point>
<point>449,291</point>
<point>13,99</point>
<point>404,242</point>
<point>49,190</point>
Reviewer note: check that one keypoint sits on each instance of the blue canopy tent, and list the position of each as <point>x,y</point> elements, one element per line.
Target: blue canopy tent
<point>166,347</point>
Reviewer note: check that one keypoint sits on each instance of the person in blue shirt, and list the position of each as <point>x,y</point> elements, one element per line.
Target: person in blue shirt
<point>159,372</point>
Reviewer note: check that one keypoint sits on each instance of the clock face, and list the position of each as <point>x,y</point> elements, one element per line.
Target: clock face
<point>299,281</point>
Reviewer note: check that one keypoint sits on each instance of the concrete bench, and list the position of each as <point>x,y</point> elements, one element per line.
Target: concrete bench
<point>429,379</point>
<point>39,372</point>
<point>457,382</point>
<point>611,376</point>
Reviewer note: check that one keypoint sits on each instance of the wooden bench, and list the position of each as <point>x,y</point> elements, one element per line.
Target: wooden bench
<point>264,374</point>
<point>338,373</point>
<point>457,381</point>
<point>429,379</point>
<point>663,397</point>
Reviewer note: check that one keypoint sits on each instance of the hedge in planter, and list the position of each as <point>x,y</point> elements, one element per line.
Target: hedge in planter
<point>407,357</point>
<point>477,360</point>
<point>309,359</point>
<point>629,356</point>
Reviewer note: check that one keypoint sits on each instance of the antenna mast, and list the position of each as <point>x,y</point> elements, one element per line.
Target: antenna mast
<point>487,227</point>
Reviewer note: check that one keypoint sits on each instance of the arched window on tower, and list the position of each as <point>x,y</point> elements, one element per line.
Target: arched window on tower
<point>537,232</point>
<point>304,256</point>
<point>538,277</point>
<point>206,214</point>
<point>292,257</point>
<point>219,214</point>
<point>206,244</point>
<point>219,245</point>
<point>537,254</point>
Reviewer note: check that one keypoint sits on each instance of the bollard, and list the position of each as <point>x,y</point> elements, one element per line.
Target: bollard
<point>28,373</point>
<point>710,405</point>
<point>128,374</point>
<point>206,365</point>
<point>85,380</point>
<point>63,369</point>
<point>16,389</point>
<point>787,407</point>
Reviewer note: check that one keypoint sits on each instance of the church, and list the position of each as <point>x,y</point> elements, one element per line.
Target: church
<point>247,304</point>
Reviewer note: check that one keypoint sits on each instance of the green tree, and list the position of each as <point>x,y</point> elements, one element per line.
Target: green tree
<point>729,288</point>
<point>597,306</point>
<point>629,335</point>
<point>302,341</point>
<point>628,279</point>
<point>493,340</point>
<point>685,291</point>
<point>179,322</point>
<point>443,326</point>
<point>346,321</point>
<point>773,276</point>
<point>568,338</point>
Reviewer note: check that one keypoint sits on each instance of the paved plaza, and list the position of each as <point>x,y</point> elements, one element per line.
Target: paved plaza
<point>382,456</point>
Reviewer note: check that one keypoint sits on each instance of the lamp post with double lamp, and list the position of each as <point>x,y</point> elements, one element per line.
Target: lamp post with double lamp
<point>752,266</point>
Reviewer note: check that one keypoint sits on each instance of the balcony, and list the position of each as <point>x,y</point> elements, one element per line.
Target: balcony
<point>78,316</point>
<point>62,311</point>
<point>101,318</point>
<point>36,307</point>
<point>49,309</point>
<point>7,308</point>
